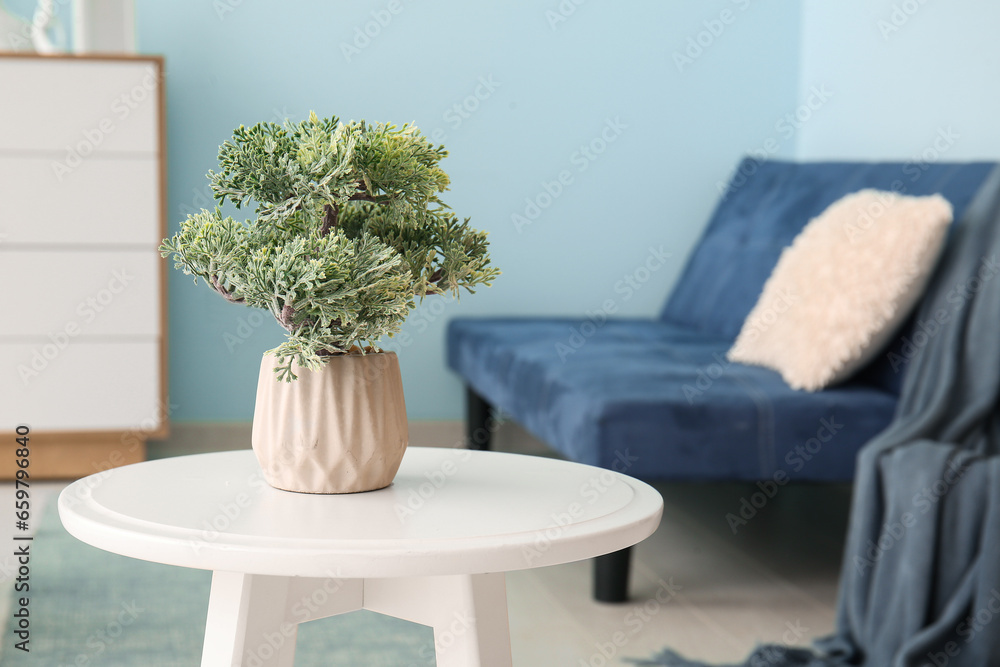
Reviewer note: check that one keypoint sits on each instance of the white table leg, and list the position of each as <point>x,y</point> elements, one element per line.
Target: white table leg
<point>468,614</point>
<point>253,619</point>
<point>247,622</point>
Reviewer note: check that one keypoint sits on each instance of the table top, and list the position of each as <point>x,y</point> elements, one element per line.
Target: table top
<point>449,511</point>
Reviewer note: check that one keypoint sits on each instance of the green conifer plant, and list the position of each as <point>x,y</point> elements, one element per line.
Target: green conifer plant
<point>349,231</point>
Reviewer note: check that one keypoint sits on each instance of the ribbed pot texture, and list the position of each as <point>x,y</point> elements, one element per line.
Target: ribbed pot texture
<point>339,430</point>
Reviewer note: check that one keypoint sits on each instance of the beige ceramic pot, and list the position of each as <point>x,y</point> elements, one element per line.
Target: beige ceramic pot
<point>339,430</point>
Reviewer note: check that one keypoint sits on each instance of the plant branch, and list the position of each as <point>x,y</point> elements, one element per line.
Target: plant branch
<point>217,286</point>
<point>362,195</point>
<point>330,214</point>
<point>287,317</point>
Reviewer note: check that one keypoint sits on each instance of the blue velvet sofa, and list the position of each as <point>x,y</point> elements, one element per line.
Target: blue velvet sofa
<point>657,396</point>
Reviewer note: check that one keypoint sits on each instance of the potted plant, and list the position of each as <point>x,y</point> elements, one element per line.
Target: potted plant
<point>349,231</point>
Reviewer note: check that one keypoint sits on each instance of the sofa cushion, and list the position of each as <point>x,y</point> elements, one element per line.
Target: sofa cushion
<point>764,208</point>
<point>843,287</point>
<point>662,398</point>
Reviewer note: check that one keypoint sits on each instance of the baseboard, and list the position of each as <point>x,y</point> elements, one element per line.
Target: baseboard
<point>218,437</point>
<point>200,438</point>
<point>70,456</point>
<point>56,457</point>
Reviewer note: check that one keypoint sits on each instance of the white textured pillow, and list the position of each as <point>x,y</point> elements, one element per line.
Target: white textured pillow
<point>844,285</point>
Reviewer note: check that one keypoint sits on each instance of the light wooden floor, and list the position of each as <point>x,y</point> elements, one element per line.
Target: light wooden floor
<point>774,581</point>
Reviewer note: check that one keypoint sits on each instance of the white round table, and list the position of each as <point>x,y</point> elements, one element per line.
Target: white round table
<point>431,548</point>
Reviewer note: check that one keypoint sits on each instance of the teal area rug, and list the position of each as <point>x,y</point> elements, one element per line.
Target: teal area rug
<point>91,608</point>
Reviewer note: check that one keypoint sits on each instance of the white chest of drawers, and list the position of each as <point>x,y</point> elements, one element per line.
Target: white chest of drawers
<point>82,286</point>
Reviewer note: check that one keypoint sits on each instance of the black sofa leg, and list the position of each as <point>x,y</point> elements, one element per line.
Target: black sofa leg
<point>477,421</point>
<point>611,576</point>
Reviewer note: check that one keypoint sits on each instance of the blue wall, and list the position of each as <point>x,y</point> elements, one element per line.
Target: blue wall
<point>914,80</point>
<point>677,114</point>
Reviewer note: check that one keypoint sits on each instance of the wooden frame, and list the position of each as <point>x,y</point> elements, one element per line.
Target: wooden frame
<point>71,454</point>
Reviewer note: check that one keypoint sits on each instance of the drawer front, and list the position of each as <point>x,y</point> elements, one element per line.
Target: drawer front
<point>103,200</point>
<point>79,294</point>
<point>78,107</point>
<point>99,386</point>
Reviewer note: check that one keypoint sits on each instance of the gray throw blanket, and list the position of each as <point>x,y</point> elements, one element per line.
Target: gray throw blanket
<point>920,584</point>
